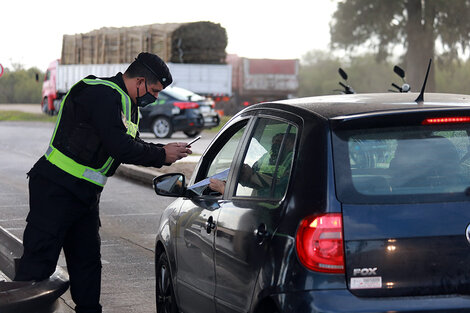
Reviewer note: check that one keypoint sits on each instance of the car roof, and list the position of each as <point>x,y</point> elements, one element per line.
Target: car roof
<point>343,106</point>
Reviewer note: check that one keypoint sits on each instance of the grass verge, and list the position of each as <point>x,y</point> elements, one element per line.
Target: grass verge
<point>24,116</point>
<point>223,119</point>
<point>40,117</point>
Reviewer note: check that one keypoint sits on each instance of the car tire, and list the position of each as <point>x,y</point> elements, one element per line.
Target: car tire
<point>45,105</point>
<point>56,104</point>
<point>166,300</point>
<point>192,133</point>
<point>161,127</point>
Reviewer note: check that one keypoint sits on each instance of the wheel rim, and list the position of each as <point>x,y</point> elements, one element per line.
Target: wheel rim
<point>165,299</point>
<point>45,105</point>
<point>161,127</point>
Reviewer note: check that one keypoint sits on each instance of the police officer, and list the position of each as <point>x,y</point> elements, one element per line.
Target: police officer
<point>96,130</point>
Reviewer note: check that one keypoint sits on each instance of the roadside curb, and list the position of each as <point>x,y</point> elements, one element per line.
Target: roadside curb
<point>145,175</point>
<point>24,297</point>
<point>137,173</point>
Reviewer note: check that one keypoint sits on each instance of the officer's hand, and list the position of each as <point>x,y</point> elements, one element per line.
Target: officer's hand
<point>176,151</point>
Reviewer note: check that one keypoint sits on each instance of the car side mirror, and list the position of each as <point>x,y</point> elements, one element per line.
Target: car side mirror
<point>170,185</point>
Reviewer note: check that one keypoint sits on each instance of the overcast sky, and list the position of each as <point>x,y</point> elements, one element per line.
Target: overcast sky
<point>31,31</point>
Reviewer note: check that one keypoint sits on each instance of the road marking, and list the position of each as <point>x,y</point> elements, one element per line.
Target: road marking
<point>12,219</point>
<point>14,228</point>
<point>130,214</point>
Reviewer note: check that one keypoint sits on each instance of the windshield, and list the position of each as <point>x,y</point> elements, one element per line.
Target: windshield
<point>402,164</point>
<point>183,94</point>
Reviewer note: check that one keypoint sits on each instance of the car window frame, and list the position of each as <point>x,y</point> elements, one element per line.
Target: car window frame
<point>269,113</point>
<point>219,141</point>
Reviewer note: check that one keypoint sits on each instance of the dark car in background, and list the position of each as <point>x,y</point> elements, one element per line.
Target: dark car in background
<point>348,203</point>
<point>178,109</point>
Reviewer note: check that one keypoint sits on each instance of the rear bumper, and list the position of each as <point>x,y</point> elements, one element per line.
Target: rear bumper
<point>194,120</point>
<point>343,301</point>
<point>211,120</point>
<point>187,123</point>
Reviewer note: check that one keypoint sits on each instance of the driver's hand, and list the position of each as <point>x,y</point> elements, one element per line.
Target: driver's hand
<point>217,185</point>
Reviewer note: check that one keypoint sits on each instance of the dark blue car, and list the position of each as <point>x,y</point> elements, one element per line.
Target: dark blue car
<point>178,109</point>
<point>348,203</point>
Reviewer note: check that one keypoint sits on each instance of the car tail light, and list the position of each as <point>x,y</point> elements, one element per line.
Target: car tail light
<point>319,243</point>
<point>186,105</point>
<point>446,120</point>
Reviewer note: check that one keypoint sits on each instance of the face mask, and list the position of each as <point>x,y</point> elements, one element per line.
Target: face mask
<point>146,99</point>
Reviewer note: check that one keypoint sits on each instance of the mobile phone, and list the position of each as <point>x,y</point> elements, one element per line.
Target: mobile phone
<point>193,141</point>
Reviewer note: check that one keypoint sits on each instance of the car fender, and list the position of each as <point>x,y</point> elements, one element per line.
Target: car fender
<point>282,271</point>
<point>166,230</point>
<point>154,115</point>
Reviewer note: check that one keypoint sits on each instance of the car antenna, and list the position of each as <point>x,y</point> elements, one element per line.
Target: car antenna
<point>347,89</point>
<point>420,98</point>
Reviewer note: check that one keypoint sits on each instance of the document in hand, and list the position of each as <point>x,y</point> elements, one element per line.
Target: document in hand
<point>199,187</point>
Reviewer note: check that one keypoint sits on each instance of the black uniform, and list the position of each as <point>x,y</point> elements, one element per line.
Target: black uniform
<point>63,208</point>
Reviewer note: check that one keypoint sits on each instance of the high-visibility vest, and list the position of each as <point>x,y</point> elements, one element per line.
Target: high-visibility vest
<point>266,168</point>
<point>67,164</point>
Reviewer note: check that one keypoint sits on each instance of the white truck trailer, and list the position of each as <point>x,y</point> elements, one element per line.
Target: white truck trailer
<point>213,80</point>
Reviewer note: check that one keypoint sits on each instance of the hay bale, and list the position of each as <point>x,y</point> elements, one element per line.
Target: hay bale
<point>109,45</point>
<point>199,42</point>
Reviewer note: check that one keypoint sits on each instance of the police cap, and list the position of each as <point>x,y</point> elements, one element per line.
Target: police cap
<point>156,66</point>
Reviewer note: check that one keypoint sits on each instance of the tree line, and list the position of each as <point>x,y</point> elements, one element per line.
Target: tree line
<point>318,74</point>
<point>425,29</point>
<point>20,85</point>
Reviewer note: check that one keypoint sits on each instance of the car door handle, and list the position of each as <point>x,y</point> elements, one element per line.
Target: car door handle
<point>210,224</point>
<point>261,233</point>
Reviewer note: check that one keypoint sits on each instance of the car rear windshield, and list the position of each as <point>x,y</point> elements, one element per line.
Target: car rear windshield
<point>403,164</point>
<point>183,94</point>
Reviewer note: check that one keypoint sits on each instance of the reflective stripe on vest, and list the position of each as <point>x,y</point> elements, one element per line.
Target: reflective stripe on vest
<point>67,164</point>
<point>266,168</point>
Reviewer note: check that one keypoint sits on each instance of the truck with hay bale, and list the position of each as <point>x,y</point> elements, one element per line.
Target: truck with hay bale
<point>195,53</point>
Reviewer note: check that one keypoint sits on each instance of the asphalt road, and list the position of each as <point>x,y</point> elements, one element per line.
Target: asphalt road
<point>129,213</point>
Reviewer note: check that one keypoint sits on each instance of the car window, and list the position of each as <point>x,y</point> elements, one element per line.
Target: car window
<point>267,164</point>
<point>182,94</point>
<point>223,159</point>
<point>218,160</point>
<point>396,164</point>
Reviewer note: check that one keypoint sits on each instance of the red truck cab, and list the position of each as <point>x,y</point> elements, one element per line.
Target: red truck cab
<point>49,91</point>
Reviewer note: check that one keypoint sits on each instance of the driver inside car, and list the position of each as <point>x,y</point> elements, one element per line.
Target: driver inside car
<point>260,176</point>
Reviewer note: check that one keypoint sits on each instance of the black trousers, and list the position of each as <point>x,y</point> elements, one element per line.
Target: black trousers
<point>57,219</point>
